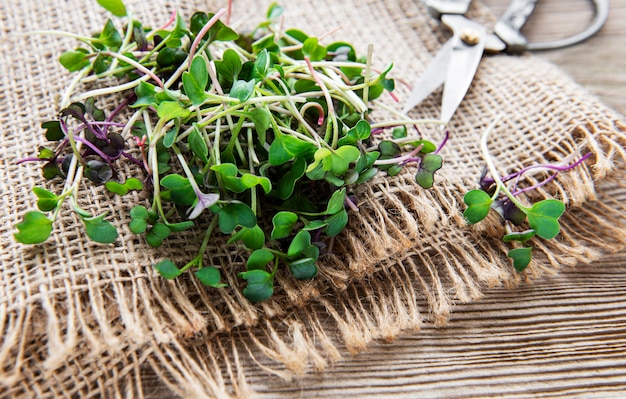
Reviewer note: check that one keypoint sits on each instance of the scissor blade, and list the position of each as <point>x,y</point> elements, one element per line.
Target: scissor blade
<point>463,63</point>
<point>433,77</point>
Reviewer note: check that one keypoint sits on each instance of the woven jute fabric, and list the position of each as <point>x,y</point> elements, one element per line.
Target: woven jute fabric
<point>80,319</point>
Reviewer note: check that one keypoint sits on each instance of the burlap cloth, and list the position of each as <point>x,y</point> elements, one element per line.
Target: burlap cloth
<point>79,319</point>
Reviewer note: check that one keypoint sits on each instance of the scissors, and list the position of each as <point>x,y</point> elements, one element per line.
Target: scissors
<point>456,63</point>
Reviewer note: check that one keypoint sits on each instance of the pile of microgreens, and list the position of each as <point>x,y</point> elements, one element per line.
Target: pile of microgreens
<point>261,137</point>
<point>494,194</point>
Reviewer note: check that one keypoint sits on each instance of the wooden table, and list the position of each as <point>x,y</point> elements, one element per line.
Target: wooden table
<point>564,336</point>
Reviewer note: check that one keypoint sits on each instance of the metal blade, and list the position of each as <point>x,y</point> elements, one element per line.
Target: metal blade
<point>464,61</point>
<point>433,77</point>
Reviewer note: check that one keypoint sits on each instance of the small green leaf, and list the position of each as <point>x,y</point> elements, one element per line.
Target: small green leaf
<point>287,183</point>
<point>35,228</point>
<point>235,214</point>
<point>313,49</point>
<point>139,219</point>
<point>249,180</point>
<point>170,110</point>
<point>197,145</point>
<point>181,191</point>
<point>110,37</point>
<point>74,60</point>
<point>99,229</point>
<point>261,118</point>
<point>299,244</point>
<point>336,202</point>
<point>399,132</point>
<point>283,223</point>
<point>48,201</point>
<point>54,132</point>
<point>171,56</point>
<point>284,148</point>
<point>336,223</point>
<point>145,94</point>
<point>303,269</point>
<point>543,217</point>
<point>253,238</point>
<point>521,257</point>
<point>259,259</point>
<point>157,234</point>
<point>116,7</point>
<point>429,165</point>
<point>242,90</point>
<point>210,276</point>
<point>229,67</point>
<point>131,183</point>
<point>478,204</point>
<point>167,269</point>
<point>181,226</point>
<point>274,11</point>
<point>521,236</point>
<point>260,285</point>
<point>262,63</point>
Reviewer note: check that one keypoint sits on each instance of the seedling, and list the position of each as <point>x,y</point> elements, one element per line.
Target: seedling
<point>542,217</point>
<point>261,137</point>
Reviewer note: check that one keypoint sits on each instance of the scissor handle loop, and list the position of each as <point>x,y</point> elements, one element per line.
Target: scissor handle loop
<point>601,15</point>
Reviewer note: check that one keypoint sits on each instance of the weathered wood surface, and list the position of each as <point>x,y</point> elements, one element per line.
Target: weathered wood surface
<point>563,336</point>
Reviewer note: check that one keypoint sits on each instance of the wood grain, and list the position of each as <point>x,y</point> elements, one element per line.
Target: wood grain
<point>563,336</point>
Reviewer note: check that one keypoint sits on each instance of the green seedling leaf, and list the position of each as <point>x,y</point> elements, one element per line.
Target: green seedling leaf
<point>274,11</point>
<point>262,119</point>
<point>388,149</point>
<point>168,269</point>
<point>366,175</point>
<point>303,269</point>
<point>35,228</point>
<point>336,202</point>
<point>228,174</point>
<point>249,180</point>
<point>131,183</point>
<point>195,81</point>
<point>171,109</point>
<point>210,276</point>
<point>157,234</point>
<point>253,238</point>
<point>399,132</point>
<point>116,7</point>
<point>48,201</point>
<point>138,219</point>
<point>181,191</point>
<point>99,229</point>
<point>284,148</point>
<point>260,285</point>
<point>314,225</point>
<point>313,49</point>
<point>171,56</point>
<point>53,130</point>
<point>425,176</point>
<point>287,183</point>
<point>229,67</point>
<point>361,131</point>
<point>236,214</point>
<point>146,93</point>
<point>242,90</point>
<point>521,257</point>
<point>299,244</point>
<point>74,60</point>
<point>259,259</point>
<point>262,63</point>
<point>198,145</point>
<point>110,37</point>
<point>170,137</point>
<point>336,223</point>
<point>521,236</point>
<point>544,216</point>
<point>478,204</point>
<point>181,226</point>
<point>283,223</point>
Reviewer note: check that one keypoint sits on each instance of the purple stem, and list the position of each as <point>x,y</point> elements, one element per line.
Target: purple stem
<point>95,149</point>
<point>117,110</point>
<point>443,143</point>
<point>557,168</point>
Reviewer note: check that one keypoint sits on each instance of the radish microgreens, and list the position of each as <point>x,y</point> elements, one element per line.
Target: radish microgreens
<point>261,137</point>
<point>542,217</point>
